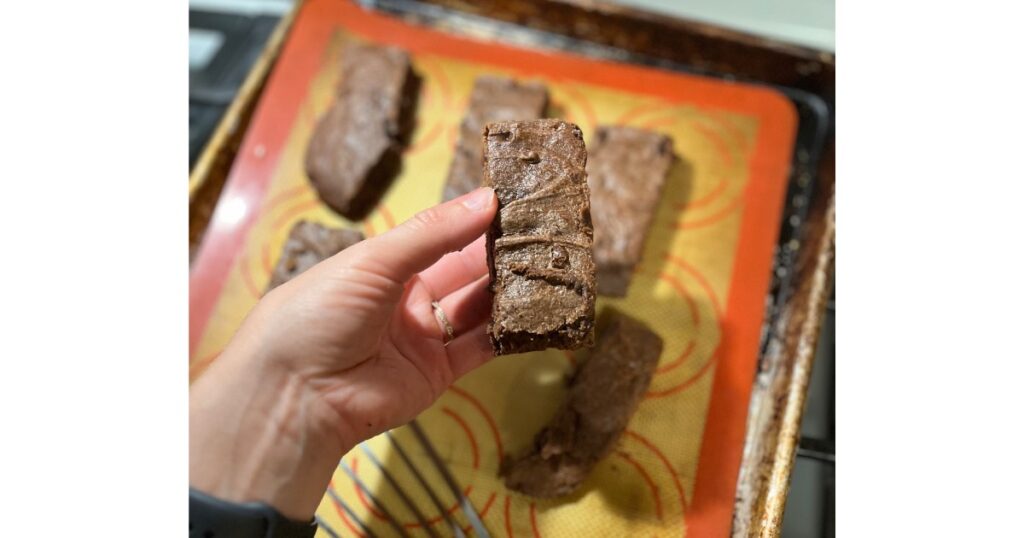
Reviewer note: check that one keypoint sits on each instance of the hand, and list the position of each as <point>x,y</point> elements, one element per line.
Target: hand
<point>344,351</point>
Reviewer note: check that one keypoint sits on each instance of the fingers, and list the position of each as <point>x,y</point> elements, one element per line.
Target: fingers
<point>456,270</point>
<point>469,350</point>
<point>462,309</point>
<point>466,311</point>
<point>467,307</point>
<point>422,240</point>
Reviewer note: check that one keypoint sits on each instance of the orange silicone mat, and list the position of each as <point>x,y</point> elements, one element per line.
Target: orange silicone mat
<point>701,285</point>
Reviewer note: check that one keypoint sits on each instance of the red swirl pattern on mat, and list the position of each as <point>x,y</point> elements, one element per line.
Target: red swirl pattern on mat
<point>487,417</point>
<point>656,123</point>
<point>341,513</point>
<point>655,494</point>
<point>733,204</point>
<point>721,146</point>
<point>702,280</point>
<point>459,104</point>
<point>452,136</point>
<point>684,294</point>
<point>668,466</point>
<point>727,152</point>
<point>438,518</point>
<point>687,383</point>
<point>428,95</point>
<point>483,512</point>
<point>265,258</point>
<point>469,433</point>
<point>678,360</point>
<point>369,505</point>
<point>291,203</point>
<point>708,198</point>
<point>437,96</point>
<point>567,113</point>
<point>632,116</point>
<point>286,195</point>
<point>728,155</point>
<point>248,280</point>
<point>368,229</point>
<point>709,201</point>
<point>533,520</point>
<point>293,213</point>
<point>362,496</point>
<point>733,133</point>
<point>707,354</point>
<point>461,423</point>
<point>437,74</point>
<point>424,141</point>
<point>508,517</point>
<point>385,213</point>
<point>582,102</point>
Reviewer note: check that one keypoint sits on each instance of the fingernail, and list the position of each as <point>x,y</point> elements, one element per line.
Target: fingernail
<point>478,199</point>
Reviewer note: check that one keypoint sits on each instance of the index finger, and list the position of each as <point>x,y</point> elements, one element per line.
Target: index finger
<point>421,241</point>
<point>456,270</point>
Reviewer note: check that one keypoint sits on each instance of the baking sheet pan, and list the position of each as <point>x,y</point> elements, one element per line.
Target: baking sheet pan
<point>702,283</point>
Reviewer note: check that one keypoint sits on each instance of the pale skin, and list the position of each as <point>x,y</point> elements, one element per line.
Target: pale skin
<point>344,351</point>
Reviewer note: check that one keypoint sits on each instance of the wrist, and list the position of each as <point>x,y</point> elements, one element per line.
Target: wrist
<point>259,433</point>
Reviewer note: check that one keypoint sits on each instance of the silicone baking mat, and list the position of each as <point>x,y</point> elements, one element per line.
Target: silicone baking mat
<point>701,284</point>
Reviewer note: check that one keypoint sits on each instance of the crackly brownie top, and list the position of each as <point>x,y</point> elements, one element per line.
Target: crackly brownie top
<point>542,267</point>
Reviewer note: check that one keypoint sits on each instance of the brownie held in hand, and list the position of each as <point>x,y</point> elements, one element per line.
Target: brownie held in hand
<point>357,146</point>
<point>539,244</point>
<point>308,244</point>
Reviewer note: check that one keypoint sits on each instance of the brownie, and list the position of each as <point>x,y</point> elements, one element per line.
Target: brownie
<point>539,244</point>
<point>627,169</point>
<point>357,145</point>
<point>492,99</point>
<point>308,244</point>
<point>603,394</point>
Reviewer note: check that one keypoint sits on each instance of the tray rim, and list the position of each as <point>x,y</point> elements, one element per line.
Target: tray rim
<point>210,171</point>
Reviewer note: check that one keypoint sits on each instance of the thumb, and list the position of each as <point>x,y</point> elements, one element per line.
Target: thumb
<point>420,241</point>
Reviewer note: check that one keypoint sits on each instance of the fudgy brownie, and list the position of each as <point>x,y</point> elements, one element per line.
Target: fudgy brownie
<point>308,244</point>
<point>603,394</point>
<point>539,244</point>
<point>492,99</point>
<point>357,146</point>
<point>627,169</point>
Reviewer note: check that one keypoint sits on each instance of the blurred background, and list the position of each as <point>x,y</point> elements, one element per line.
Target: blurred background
<point>227,36</point>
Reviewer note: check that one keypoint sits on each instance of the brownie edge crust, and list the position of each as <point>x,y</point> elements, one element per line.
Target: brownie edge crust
<point>540,244</point>
<point>603,394</point>
<point>356,148</point>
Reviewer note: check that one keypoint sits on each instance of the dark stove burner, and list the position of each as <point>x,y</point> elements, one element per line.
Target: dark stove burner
<point>212,85</point>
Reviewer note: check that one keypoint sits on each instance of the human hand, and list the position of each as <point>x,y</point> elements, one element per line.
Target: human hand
<point>344,351</point>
